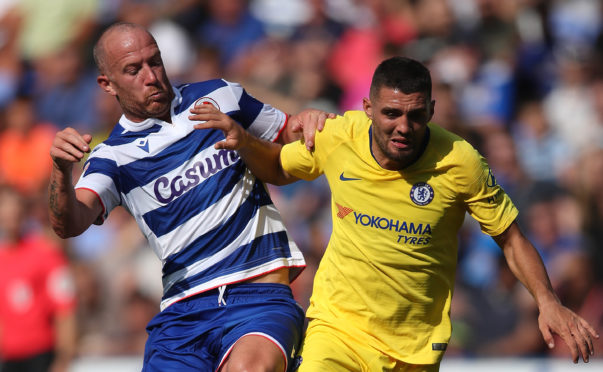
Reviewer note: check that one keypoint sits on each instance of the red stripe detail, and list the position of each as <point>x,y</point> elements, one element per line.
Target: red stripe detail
<point>102,216</point>
<point>280,347</point>
<point>287,116</point>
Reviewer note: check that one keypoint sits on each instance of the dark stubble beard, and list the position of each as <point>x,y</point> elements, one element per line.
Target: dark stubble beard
<point>403,158</point>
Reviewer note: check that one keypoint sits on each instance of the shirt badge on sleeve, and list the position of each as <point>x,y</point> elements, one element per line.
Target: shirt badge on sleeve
<point>491,180</point>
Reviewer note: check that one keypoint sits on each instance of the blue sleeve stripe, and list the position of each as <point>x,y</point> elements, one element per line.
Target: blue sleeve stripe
<point>103,166</point>
<point>190,93</point>
<point>116,137</point>
<point>166,218</point>
<point>143,171</point>
<point>249,109</point>
<point>247,256</point>
<point>213,241</point>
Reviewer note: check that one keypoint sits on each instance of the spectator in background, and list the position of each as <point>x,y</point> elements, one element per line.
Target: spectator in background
<point>319,20</point>
<point>580,290</point>
<point>24,143</point>
<point>37,316</point>
<point>537,144</point>
<point>65,89</point>
<point>231,28</point>
<point>433,29</point>
<point>292,74</point>
<point>497,319</point>
<point>498,147</point>
<point>51,38</point>
<point>546,230</point>
<point>587,186</point>
<point>570,106</point>
<point>49,27</point>
<point>206,64</point>
<point>10,67</point>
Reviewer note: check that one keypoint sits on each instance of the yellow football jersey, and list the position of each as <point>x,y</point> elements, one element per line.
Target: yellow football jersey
<point>388,272</point>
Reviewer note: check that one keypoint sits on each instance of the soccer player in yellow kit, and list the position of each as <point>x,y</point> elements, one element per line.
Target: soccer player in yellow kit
<point>400,189</point>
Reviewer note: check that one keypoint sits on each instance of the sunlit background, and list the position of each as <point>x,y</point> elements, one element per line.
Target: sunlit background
<point>522,80</point>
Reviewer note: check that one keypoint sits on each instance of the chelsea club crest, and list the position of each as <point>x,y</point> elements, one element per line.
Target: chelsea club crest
<point>421,193</point>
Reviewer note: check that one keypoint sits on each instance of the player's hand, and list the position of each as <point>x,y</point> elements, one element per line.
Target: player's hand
<point>308,122</point>
<point>573,329</point>
<point>69,147</point>
<point>210,117</point>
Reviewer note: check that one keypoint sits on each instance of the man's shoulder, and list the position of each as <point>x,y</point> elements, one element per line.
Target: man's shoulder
<point>349,125</point>
<point>452,152</point>
<point>121,135</point>
<point>356,117</point>
<point>445,139</point>
<point>202,86</point>
<point>211,91</point>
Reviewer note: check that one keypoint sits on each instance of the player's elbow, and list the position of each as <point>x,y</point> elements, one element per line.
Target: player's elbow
<point>65,230</point>
<point>277,176</point>
<point>62,232</point>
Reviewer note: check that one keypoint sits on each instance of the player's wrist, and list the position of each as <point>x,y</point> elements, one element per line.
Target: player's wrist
<point>547,299</point>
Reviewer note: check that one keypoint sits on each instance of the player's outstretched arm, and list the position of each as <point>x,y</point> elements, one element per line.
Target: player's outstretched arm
<point>260,156</point>
<point>71,211</point>
<point>526,264</point>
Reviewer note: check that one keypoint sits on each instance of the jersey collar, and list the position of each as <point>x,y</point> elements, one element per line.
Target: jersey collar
<point>132,126</point>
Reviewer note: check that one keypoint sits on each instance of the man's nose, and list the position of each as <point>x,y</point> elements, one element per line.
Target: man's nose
<point>403,125</point>
<point>150,77</point>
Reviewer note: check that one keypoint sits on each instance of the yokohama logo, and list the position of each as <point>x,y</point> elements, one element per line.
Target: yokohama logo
<point>343,211</point>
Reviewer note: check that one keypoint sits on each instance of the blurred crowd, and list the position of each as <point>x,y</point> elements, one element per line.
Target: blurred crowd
<point>522,80</point>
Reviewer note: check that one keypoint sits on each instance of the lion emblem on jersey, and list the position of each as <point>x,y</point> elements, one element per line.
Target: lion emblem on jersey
<point>421,193</point>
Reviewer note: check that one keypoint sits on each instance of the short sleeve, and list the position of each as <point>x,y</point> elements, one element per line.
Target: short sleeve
<point>300,162</point>
<point>308,165</point>
<point>100,176</point>
<point>260,119</point>
<point>485,200</point>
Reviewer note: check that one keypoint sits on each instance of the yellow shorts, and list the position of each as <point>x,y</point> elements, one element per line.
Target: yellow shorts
<point>326,349</point>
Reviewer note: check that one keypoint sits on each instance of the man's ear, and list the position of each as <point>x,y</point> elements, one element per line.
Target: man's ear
<point>368,107</point>
<point>105,84</point>
<point>431,109</point>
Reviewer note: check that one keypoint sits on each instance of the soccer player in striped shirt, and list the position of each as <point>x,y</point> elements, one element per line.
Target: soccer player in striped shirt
<point>227,258</point>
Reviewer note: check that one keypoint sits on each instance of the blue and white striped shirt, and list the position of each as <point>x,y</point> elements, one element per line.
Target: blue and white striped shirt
<point>203,212</point>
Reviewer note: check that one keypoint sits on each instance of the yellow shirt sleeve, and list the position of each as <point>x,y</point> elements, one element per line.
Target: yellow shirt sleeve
<point>308,165</point>
<point>485,199</point>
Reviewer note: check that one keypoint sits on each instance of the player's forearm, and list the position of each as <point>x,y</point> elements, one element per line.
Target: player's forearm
<point>288,135</point>
<point>527,266</point>
<point>66,213</point>
<point>263,159</point>
<point>529,269</point>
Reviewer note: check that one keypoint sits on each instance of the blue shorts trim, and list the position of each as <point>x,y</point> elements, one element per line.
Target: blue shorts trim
<point>197,333</point>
